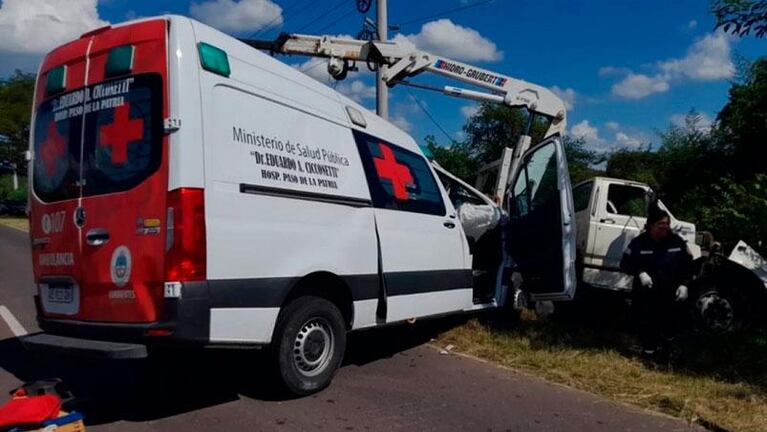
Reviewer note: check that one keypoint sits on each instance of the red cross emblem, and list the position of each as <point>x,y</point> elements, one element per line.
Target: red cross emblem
<point>121,132</point>
<point>52,149</point>
<point>398,174</point>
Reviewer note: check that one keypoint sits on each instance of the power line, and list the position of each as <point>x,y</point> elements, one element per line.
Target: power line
<point>323,15</point>
<point>446,12</point>
<point>428,114</point>
<point>337,20</point>
<point>273,23</point>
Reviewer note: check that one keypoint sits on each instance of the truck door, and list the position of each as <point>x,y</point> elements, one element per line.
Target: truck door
<point>542,230</point>
<point>620,216</point>
<point>582,194</point>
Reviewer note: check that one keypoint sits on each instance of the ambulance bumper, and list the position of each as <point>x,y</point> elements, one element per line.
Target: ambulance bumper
<point>47,343</point>
<point>186,321</point>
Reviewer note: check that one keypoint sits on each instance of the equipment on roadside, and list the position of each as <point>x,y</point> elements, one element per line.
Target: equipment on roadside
<point>38,406</point>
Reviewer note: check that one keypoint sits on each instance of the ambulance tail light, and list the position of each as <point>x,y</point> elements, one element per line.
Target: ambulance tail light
<point>185,256</point>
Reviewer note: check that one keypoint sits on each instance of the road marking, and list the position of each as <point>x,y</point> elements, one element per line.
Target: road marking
<point>14,324</point>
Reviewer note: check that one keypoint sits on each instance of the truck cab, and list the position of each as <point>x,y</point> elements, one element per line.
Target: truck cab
<point>609,213</point>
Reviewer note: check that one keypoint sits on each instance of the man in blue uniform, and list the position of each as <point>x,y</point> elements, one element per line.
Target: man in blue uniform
<point>662,268</point>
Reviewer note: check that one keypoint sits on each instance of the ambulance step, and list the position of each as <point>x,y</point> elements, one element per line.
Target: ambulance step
<point>46,343</point>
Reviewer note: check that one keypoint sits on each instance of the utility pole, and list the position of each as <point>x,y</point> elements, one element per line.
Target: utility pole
<point>382,90</point>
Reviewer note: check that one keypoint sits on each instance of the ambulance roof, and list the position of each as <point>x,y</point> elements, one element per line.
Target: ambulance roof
<point>304,89</point>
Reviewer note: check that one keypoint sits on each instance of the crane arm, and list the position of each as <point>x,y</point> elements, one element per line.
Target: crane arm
<point>404,61</point>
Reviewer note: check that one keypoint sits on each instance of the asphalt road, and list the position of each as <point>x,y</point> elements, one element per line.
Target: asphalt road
<point>392,380</point>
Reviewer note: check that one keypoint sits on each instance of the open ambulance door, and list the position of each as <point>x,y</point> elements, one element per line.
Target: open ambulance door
<point>541,237</point>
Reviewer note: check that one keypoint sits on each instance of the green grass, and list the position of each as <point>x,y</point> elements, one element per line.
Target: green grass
<point>719,381</point>
<point>15,222</point>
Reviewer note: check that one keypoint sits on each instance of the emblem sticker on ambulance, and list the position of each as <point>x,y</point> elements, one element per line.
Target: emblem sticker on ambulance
<point>121,266</point>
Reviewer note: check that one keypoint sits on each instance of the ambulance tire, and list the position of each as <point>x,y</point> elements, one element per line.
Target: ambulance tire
<point>308,345</point>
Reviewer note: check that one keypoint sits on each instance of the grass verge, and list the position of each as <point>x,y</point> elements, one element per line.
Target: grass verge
<point>15,222</point>
<point>718,382</point>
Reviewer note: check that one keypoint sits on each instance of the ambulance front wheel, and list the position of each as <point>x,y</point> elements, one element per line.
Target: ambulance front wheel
<point>309,344</point>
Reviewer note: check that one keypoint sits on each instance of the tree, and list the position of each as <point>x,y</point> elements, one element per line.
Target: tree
<point>743,121</point>
<point>581,161</point>
<point>16,94</point>
<point>741,16</point>
<point>637,165</point>
<point>738,212</point>
<point>453,158</point>
<point>494,128</point>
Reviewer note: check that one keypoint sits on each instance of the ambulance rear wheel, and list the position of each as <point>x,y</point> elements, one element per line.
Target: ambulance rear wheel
<point>309,344</point>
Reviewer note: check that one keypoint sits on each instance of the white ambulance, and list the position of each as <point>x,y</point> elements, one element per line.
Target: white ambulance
<point>187,189</point>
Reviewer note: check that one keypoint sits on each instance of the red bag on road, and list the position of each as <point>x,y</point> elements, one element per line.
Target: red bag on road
<point>23,410</point>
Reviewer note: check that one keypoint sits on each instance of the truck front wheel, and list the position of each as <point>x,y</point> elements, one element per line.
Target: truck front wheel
<point>309,344</point>
<point>717,311</point>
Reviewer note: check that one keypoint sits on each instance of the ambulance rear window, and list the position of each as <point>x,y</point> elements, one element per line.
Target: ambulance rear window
<point>123,141</point>
<point>56,168</point>
<point>121,144</point>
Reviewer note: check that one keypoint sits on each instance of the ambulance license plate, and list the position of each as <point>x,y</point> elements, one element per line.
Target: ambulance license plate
<point>60,294</point>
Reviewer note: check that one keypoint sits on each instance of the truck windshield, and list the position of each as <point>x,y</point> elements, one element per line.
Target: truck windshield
<point>117,128</point>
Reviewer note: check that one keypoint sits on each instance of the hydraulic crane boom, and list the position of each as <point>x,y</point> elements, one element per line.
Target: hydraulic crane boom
<point>404,61</point>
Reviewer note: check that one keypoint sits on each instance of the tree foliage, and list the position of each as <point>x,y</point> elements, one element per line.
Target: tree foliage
<point>494,128</point>
<point>453,158</point>
<point>743,122</point>
<point>741,16</point>
<point>580,160</point>
<point>16,94</point>
<point>7,192</point>
<point>712,175</point>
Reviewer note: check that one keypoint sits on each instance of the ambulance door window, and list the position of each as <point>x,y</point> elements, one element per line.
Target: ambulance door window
<point>123,144</point>
<point>399,179</point>
<point>56,168</point>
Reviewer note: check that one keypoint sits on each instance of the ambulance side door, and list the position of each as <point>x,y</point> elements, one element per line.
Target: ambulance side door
<point>421,242</point>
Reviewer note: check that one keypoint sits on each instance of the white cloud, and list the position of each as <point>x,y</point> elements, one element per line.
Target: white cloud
<point>402,123</point>
<point>356,90</point>
<point>586,131</point>
<point>443,37</point>
<point>626,141</point>
<point>606,71</point>
<point>567,95</point>
<point>637,86</point>
<point>316,68</point>
<point>469,111</point>
<point>237,16</point>
<point>37,26</point>
<point>622,139</point>
<point>708,59</point>
<point>701,121</point>
<point>692,24</point>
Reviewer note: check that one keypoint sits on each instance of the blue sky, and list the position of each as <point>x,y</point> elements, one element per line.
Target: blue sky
<point>627,68</point>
